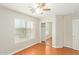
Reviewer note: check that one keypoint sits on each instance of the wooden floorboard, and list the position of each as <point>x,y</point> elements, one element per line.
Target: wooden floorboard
<point>46,49</point>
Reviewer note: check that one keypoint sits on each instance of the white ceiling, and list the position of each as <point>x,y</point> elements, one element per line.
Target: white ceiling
<point>56,8</point>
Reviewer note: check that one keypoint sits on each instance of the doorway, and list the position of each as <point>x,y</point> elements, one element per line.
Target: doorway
<point>46,33</point>
<point>43,32</point>
<point>49,34</point>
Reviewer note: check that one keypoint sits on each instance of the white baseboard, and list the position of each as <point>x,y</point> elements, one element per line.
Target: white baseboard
<point>54,46</point>
<point>23,48</point>
<point>68,46</point>
<point>57,47</point>
<point>75,49</point>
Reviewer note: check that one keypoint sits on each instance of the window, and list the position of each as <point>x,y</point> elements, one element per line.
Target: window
<point>24,30</point>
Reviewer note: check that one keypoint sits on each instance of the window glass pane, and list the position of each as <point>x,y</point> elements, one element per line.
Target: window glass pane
<point>28,24</point>
<point>20,30</point>
<point>19,23</point>
<point>24,30</point>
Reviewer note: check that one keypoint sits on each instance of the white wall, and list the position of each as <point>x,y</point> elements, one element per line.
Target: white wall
<point>68,37</point>
<point>64,31</point>
<point>54,33</point>
<point>48,19</point>
<point>64,36</point>
<point>68,31</point>
<point>59,31</point>
<point>7,31</point>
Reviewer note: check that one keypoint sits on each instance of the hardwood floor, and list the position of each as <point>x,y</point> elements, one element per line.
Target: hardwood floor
<point>46,49</point>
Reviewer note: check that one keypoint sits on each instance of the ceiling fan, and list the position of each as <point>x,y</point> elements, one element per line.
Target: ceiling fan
<point>43,6</point>
<point>40,7</point>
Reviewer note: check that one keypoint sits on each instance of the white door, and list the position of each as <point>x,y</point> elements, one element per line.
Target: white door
<point>75,32</point>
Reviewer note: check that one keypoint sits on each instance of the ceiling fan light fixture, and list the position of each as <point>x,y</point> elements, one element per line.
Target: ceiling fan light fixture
<point>38,11</point>
<point>39,8</point>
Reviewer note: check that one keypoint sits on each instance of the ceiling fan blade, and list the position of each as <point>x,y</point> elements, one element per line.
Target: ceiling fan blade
<point>46,9</point>
<point>42,5</point>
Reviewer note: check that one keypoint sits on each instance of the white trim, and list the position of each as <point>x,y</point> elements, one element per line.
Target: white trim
<point>57,46</point>
<point>75,49</point>
<point>68,46</point>
<point>75,19</point>
<point>23,48</point>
